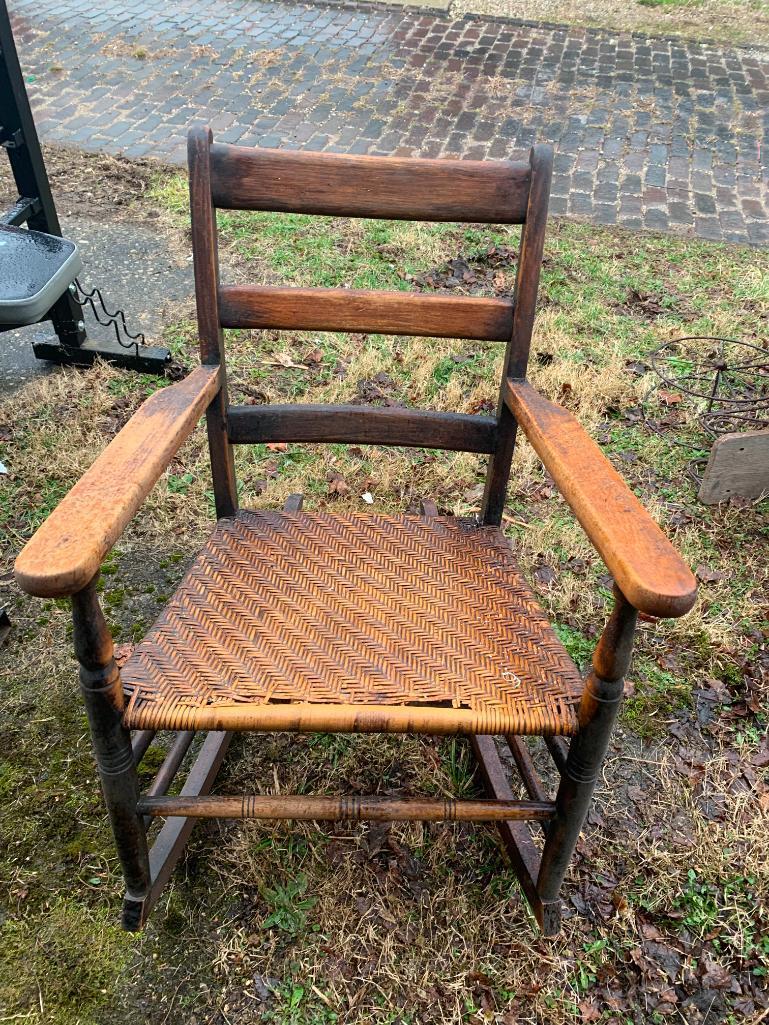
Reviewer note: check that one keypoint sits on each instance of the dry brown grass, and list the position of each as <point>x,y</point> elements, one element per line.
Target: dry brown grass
<point>745,21</point>
<point>413,924</point>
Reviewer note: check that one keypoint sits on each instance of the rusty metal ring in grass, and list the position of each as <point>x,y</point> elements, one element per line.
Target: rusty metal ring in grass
<point>721,377</point>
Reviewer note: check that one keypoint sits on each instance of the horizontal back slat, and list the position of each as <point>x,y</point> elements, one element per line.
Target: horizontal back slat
<point>355,186</point>
<point>362,425</point>
<point>342,309</point>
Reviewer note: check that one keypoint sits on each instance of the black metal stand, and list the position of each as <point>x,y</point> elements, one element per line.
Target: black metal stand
<point>35,208</point>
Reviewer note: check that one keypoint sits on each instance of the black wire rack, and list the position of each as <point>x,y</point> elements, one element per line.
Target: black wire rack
<point>725,380</point>
<point>94,300</point>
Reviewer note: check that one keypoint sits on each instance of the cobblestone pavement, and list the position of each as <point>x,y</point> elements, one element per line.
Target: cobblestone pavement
<point>649,133</point>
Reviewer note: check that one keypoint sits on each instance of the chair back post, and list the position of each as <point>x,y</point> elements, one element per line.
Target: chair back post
<point>519,345</point>
<point>205,259</point>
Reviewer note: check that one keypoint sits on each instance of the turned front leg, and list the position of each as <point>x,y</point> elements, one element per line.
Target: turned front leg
<point>103,696</point>
<point>597,714</point>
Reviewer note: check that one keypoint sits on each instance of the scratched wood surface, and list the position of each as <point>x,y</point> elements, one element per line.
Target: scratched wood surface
<point>738,467</point>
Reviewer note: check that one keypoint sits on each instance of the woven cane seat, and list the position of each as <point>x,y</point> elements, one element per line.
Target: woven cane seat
<point>352,622</point>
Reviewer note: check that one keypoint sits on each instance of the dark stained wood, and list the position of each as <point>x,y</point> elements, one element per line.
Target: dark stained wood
<point>648,574</point>
<point>598,710</point>
<point>103,698</point>
<point>170,841</point>
<point>559,751</point>
<point>348,309</point>
<point>526,768</point>
<point>523,854</point>
<point>140,742</point>
<point>361,425</point>
<point>525,304</point>
<point>648,570</point>
<point>205,261</point>
<point>67,550</point>
<point>345,809</point>
<point>167,771</point>
<point>358,186</point>
<point>530,261</point>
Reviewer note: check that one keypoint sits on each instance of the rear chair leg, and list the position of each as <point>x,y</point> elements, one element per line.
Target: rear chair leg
<point>597,714</point>
<point>103,696</point>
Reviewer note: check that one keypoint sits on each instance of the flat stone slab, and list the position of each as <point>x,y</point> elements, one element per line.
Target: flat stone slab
<point>649,133</point>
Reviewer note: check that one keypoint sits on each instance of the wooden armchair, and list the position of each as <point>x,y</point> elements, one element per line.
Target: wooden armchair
<point>357,622</point>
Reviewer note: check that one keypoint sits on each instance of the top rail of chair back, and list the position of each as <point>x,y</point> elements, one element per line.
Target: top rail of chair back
<point>390,188</point>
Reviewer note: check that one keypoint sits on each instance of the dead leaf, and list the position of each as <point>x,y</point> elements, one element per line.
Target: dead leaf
<point>589,1010</point>
<point>276,446</point>
<point>122,652</point>
<point>646,303</point>
<point>669,398</point>
<point>283,359</point>
<point>473,495</point>
<point>715,976</point>
<point>337,485</point>
<point>707,575</point>
<point>575,565</point>
<point>545,575</point>
<point>650,932</point>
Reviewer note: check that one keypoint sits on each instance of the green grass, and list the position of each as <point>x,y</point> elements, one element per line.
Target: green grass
<point>308,908</point>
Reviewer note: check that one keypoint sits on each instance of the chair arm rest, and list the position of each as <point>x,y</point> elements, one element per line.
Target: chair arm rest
<point>66,552</point>
<point>648,570</point>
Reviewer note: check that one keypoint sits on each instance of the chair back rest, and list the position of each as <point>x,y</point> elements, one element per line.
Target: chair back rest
<point>500,192</point>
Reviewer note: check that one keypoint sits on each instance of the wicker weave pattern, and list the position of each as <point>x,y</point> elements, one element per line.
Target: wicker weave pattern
<point>350,611</point>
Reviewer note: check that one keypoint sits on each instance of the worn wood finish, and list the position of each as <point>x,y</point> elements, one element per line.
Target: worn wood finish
<point>530,261</point>
<point>299,717</point>
<point>205,261</point>
<point>516,837</point>
<point>371,312</point>
<point>361,425</point>
<point>738,465</point>
<point>650,573</point>
<point>519,345</point>
<point>68,549</point>
<point>448,686</point>
<point>559,751</point>
<point>170,841</point>
<point>140,742</point>
<point>526,770</point>
<point>355,186</point>
<point>597,715</point>
<point>170,766</point>
<point>345,809</point>
<point>103,698</point>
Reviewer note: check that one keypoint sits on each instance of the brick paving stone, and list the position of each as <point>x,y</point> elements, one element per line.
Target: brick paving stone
<point>663,134</point>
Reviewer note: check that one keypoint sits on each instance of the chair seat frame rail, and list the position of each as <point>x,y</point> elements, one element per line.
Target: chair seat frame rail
<point>64,556</point>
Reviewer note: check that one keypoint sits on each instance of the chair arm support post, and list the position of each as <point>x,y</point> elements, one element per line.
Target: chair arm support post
<point>598,710</point>
<point>102,693</point>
